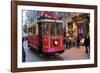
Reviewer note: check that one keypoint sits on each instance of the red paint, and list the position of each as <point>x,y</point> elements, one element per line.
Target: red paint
<point>33,41</point>
<point>48,44</point>
<point>45,43</point>
<point>50,15</point>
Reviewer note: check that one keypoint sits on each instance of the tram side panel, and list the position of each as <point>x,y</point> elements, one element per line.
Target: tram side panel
<point>33,41</point>
<point>50,44</point>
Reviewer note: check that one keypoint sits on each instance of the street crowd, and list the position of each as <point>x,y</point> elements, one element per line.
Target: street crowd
<point>69,42</point>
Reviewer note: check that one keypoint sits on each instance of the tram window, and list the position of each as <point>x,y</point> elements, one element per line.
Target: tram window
<point>50,28</point>
<point>31,31</point>
<point>56,29</point>
<point>45,29</point>
<point>34,30</point>
<point>28,30</point>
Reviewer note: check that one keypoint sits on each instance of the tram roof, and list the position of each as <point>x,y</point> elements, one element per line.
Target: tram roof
<point>50,20</point>
<point>44,20</point>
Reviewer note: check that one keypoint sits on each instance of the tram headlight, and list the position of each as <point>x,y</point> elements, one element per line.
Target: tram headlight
<point>55,42</point>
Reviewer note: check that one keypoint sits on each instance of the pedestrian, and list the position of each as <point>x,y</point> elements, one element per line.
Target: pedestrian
<point>82,41</point>
<point>78,42</point>
<point>87,44</point>
<point>24,42</point>
<point>64,42</point>
<point>23,54</point>
<point>67,42</point>
<point>75,41</point>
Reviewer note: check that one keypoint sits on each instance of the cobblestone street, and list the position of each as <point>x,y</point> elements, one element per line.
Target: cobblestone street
<point>69,54</point>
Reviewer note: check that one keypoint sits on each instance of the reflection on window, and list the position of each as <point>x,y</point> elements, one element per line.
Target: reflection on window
<point>56,29</point>
<point>50,28</point>
<point>45,29</point>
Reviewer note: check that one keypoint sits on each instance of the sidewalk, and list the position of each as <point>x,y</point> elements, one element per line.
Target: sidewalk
<point>75,54</point>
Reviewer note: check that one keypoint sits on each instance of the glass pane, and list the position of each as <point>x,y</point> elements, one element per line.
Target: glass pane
<point>55,29</point>
<point>45,29</point>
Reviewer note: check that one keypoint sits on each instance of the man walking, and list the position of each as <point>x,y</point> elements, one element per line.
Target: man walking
<point>87,44</point>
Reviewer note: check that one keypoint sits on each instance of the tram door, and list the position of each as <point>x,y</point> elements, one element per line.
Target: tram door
<point>40,31</point>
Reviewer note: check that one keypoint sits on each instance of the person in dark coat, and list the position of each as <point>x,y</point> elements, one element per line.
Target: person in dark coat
<point>87,44</point>
<point>64,42</point>
<point>24,38</point>
<point>78,41</point>
<point>23,55</point>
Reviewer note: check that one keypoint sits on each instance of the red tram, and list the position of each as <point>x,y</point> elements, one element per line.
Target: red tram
<point>46,35</point>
